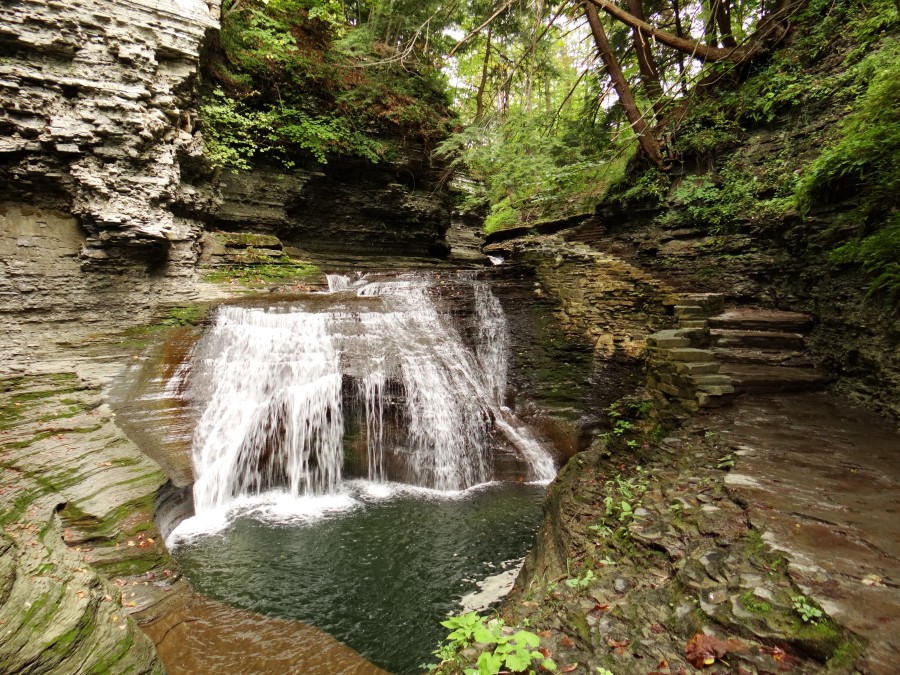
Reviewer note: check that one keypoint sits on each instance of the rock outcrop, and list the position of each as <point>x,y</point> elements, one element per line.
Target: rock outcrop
<point>346,208</point>
<point>97,109</point>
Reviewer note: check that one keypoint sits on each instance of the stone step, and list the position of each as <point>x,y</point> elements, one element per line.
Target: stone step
<point>764,379</point>
<point>754,319</point>
<point>667,339</point>
<point>712,303</point>
<point>788,358</point>
<point>688,354</point>
<point>683,312</point>
<point>756,339</point>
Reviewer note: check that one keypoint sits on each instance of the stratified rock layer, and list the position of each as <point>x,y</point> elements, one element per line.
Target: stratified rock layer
<point>346,208</point>
<point>97,110</point>
<point>75,496</point>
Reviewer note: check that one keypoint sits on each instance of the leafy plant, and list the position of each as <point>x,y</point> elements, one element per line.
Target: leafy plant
<point>807,611</point>
<point>506,650</point>
<point>862,161</point>
<point>581,581</point>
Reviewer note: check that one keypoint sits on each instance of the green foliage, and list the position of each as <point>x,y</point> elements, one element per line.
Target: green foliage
<point>502,650</point>
<point>651,185</point>
<point>807,611</point>
<point>581,581</point>
<point>864,156</point>
<point>501,217</point>
<point>879,256</point>
<point>184,316</point>
<point>753,604</point>
<point>862,160</point>
<point>530,172</point>
<point>294,85</point>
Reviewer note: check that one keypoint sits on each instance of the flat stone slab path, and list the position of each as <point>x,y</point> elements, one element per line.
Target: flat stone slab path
<point>822,479</point>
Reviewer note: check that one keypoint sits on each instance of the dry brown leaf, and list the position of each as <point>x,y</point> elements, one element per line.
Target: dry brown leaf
<point>703,650</point>
<point>568,668</point>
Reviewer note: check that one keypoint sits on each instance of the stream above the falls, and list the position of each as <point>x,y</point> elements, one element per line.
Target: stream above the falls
<point>354,462</point>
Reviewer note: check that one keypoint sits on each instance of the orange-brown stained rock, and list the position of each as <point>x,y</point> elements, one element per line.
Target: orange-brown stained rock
<point>201,636</point>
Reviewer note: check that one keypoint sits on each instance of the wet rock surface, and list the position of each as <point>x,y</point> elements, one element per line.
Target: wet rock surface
<point>77,504</point>
<point>351,208</point>
<point>736,525</point>
<point>579,320</point>
<point>198,635</point>
<point>822,479</point>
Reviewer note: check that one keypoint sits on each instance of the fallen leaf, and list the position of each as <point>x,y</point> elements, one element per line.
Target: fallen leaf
<point>567,642</point>
<point>600,608</point>
<point>545,652</point>
<point>617,643</point>
<point>785,661</point>
<point>80,594</point>
<point>703,650</point>
<point>545,633</point>
<point>568,668</point>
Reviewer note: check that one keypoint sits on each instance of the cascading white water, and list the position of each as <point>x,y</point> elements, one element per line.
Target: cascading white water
<point>270,384</point>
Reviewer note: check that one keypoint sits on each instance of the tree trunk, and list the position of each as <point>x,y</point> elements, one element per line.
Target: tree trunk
<point>648,143</point>
<point>679,31</point>
<point>709,26</point>
<point>649,73</point>
<point>482,85</point>
<point>691,47</point>
<point>723,20</point>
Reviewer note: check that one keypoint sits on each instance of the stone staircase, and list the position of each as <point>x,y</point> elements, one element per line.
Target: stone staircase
<point>716,353</point>
<point>764,351</point>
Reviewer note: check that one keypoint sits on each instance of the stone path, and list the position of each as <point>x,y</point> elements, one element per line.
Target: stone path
<point>822,479</point>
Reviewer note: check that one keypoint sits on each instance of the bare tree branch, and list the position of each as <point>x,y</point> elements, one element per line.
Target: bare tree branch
<point>481,27</point>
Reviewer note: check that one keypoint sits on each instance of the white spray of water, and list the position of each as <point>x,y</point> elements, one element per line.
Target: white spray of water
<point>272,385</point>
<point>269,383</point>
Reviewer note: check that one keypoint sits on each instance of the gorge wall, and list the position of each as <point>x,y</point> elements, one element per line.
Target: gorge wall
<point>348,207</point>
<point>97,110</point>
<point>104,194</point>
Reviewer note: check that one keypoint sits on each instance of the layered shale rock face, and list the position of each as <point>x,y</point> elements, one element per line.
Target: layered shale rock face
<point>96,114</point>
<point>348,207</point>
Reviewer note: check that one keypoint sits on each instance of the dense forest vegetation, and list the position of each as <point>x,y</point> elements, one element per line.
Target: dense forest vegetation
<point>544,105</point>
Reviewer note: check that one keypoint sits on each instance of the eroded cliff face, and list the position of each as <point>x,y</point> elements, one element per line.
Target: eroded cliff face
<point>344,208</point>
<point>97,112</point>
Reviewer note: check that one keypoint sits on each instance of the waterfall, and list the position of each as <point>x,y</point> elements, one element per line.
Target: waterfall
<point>273,415</point>
<point>275,386</point>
